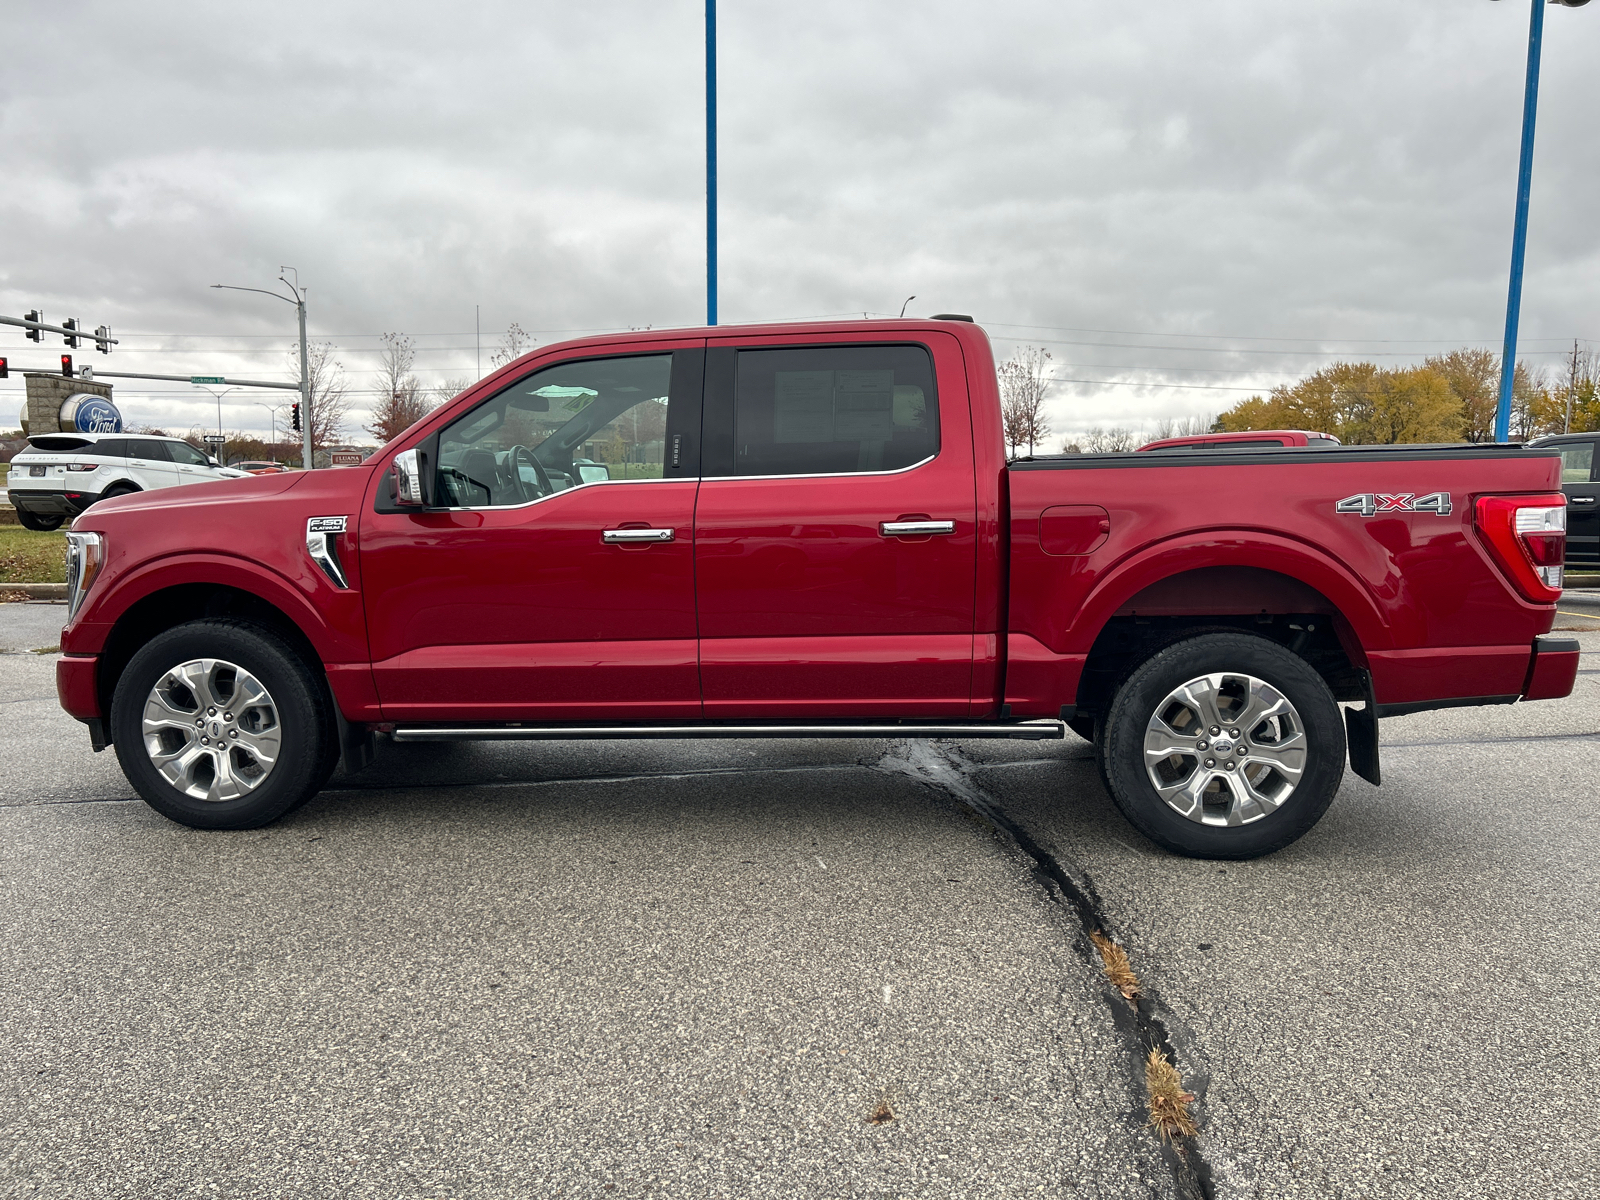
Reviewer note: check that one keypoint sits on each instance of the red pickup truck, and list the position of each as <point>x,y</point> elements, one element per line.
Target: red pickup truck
<point>803,531</point>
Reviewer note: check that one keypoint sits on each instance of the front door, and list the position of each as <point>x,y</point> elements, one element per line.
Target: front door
<point>835,536</point>
<point>552,577</point>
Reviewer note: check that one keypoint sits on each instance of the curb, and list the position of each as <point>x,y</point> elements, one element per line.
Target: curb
<point>36,591</point>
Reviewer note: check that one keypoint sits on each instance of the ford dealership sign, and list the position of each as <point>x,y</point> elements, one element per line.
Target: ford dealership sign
<point>84,413</point>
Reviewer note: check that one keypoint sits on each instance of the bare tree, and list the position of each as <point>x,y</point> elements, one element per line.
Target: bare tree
<point>448,390</point>
<point>1187,427</point>
<point>330,406</point>
<point>1024,380</point>
<point>513,344</point>
<point>402,402</point>
<point>1117,440</point>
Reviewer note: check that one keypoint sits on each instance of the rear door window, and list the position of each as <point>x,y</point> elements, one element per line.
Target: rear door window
<point>110,448</point>
<point>1577,462</point>
<point>828,410</point>
<point>148,449</point>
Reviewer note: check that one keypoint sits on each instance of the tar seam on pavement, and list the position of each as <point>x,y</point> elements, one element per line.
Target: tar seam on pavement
<point>1142,1021</point>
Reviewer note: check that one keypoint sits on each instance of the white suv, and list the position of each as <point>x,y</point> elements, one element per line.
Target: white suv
<point>61,474</point>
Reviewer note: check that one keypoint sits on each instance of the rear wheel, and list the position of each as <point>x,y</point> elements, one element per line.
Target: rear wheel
<point>38,522</point>
<point>219,724</point>
<point>120,489</point>
<point>1224,746</point>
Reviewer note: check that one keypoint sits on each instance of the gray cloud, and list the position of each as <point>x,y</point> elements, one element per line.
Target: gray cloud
<point>1242,169</point>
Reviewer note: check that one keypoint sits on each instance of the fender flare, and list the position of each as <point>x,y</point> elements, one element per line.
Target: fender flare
<point>1231,548</point>
<point>222,570</point>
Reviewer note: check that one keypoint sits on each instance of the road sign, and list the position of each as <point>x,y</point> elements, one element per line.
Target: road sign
<point>214,439</point>
<point>206,379</point>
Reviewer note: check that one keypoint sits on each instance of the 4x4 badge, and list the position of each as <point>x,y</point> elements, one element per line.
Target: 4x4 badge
<point>1371,504</point>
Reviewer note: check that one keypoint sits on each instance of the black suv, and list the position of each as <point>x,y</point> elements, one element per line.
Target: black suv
<point>1580,480</point>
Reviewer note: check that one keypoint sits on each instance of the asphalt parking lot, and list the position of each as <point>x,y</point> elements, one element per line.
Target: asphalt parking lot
<point>797,969</point>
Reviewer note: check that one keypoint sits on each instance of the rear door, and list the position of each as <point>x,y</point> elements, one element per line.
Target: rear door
<point>1579,463</point>
<point>150,464</point>
<point>835,529</point>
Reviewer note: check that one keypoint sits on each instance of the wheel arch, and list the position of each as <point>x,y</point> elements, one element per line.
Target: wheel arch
<point>163,608</point>
<point>1142,611</point>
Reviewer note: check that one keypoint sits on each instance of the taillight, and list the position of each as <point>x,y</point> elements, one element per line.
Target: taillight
<point>83,466</point>
<point>1527,535</point>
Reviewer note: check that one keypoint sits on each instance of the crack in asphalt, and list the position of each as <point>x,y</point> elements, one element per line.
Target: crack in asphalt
<point>1143,1023</point>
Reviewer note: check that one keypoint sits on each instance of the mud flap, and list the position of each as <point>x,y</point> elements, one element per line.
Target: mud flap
<point>1361,736</point>
<point>357,745</point>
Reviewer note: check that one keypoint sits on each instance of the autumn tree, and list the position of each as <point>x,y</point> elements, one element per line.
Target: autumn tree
<point>1473,376</point>
<point>1360,404</point>
<point>402,400</point>
<point>1024,380</point>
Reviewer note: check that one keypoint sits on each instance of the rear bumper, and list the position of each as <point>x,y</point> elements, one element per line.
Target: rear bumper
<point>1411,681</point>
<point>1554,669</point>
<point>45,502</point>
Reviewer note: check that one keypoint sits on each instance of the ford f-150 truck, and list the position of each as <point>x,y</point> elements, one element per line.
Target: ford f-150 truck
<point>802,531</point>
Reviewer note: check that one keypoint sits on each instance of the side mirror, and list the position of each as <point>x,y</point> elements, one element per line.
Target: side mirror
<point>212,460</point>
<point>408,479</point>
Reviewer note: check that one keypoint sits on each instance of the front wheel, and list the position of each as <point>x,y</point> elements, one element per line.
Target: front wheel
<point>1224,746</point>
<point>219,724</point>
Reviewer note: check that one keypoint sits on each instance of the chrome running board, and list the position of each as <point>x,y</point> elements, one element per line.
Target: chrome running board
<point>1030,731</point>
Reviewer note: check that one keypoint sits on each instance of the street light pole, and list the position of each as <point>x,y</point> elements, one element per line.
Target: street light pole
<point>219,396</point>
<point>711,162</point>
<point>299,301</point>
<point>272,414</point>
<point>1519,233</point>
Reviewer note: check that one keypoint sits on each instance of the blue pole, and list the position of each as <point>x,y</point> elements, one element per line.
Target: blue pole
<point>711,162</point>
<point>1519,237</point>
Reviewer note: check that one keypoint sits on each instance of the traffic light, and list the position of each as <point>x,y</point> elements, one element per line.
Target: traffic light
<point>5,369</point>
<point>66,365</point>
<point>70,339</point>
<point>102,339</point>
<point>294,417</point>
<point>33,334</point>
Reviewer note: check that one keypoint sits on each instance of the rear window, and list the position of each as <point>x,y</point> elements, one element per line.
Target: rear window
<point>110,448</point>
<point>59,444</point>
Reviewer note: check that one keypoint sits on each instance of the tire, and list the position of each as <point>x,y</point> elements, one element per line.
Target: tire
<point>1288,760</point>
<point>38,522</point>
<point>120,489</point>
<point>234,685</point>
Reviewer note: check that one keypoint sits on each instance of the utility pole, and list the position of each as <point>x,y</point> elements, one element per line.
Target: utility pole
<point>1572,386</point>
<point>477,329</point>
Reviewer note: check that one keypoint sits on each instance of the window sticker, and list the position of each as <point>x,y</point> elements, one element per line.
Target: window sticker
<point>863,406</point>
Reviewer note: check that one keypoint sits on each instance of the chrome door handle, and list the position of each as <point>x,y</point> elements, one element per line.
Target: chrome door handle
<point>624,537</point>
<point>1583,499</point>
<point>915,528</point>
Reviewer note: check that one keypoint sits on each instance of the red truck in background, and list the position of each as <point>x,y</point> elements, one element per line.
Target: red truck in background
<point>1250,439</point>
<point>812,530</point>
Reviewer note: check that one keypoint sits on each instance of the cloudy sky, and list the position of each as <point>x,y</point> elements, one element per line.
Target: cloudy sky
<point>1182,201</point>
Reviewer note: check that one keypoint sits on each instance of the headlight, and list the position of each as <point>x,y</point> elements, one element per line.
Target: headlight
<point>85,554</point>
